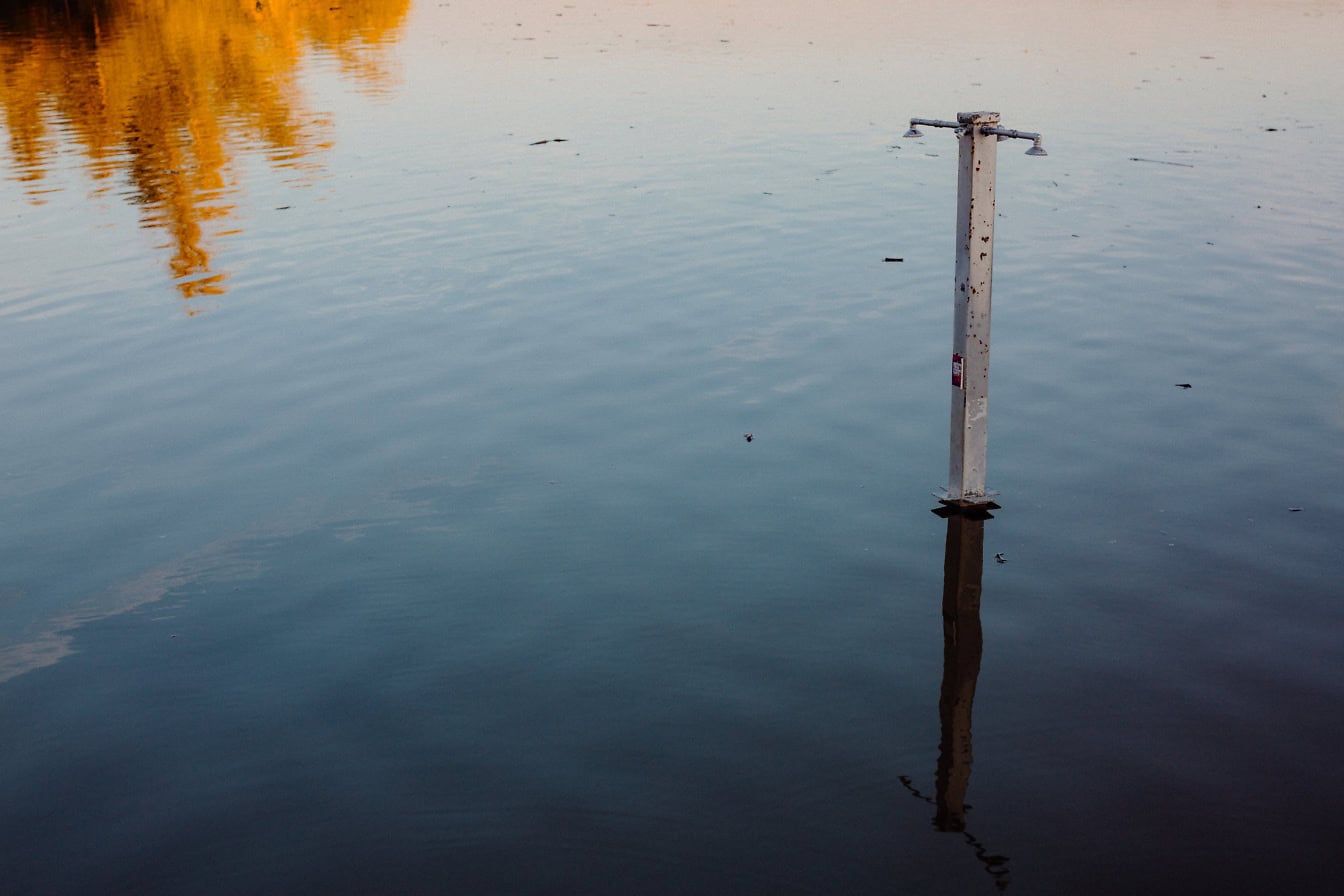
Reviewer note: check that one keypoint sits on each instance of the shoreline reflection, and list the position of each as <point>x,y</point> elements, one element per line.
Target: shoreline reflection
<point>160,100</point>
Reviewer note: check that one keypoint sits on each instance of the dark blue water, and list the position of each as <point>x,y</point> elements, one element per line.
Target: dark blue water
<point>424,551</point>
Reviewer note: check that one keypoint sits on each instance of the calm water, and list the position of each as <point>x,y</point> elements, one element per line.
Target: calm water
<point>377,516</point>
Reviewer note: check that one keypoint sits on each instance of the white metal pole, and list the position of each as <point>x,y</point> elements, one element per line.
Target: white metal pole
<point>978,134</point>
<point>971,309</point>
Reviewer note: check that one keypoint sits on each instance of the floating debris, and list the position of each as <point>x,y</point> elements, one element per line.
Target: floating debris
<point>893,259</point>
<point>551,140</point>
<point>1184,386</point>
<point>1161,162</point>
<point>1294,509</point>
<point>1000,558</point>
<point>748,436</point>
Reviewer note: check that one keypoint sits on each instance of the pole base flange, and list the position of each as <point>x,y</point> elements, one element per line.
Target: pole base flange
<point>985,501</point>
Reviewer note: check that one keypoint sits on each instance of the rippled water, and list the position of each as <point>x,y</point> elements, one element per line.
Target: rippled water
<point>377,514</point>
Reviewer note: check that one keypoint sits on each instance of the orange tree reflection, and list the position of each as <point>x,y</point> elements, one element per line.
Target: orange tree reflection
<point>163,95</point>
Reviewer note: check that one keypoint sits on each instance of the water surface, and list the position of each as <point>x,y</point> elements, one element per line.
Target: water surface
<point>378,518</point>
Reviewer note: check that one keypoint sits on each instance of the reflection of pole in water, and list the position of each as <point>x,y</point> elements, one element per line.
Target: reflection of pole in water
<point>962,645</point>
<point>963,566</point>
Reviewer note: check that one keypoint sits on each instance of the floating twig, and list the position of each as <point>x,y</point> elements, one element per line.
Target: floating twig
<point>1161,162</point>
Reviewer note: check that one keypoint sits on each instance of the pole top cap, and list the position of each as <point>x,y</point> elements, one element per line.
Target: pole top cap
<point>977,118</point>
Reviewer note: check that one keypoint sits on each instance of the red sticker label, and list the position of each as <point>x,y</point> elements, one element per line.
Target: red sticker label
<point>956,370</point>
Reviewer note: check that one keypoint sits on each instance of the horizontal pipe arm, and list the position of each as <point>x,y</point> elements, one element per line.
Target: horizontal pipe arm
<point>934,123</point>
<point>1006,132</point>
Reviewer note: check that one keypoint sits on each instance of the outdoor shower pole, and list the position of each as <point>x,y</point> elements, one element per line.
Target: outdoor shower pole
<point>978,135</point>
<point>970,309</point>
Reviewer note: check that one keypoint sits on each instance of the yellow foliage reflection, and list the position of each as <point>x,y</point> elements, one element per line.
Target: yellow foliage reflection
<point>164,94</point>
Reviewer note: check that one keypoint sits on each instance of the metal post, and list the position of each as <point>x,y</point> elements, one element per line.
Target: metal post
<point>978,134</point>
<point>971,307</point>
